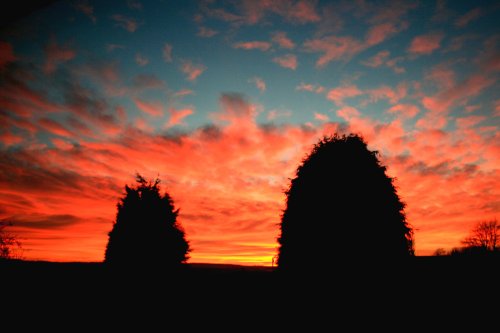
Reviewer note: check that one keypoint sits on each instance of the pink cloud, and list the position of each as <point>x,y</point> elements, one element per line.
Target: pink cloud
<point>177,116</point>
<point>87,9</point>
<point>392,63</point>
<point>54,127</point>
<point>381,59</point>
<point>472,108</point>
<point>287,61</point>
<point>192,70</point>
<point>405,110</point>
<point>19,99</point>
<point>348,112</point>
<point>141,60</point>
<point>321,117</point>
<point>206,32</point>
<point>302,11</point>
<point>385,92</point>
<point>392,11</point>
<point>254,45</point>
<point>443,76</point>
<point>126,23</point>
<point>282,40</point>
<point>112,47</point>
<point>468,17</point>
<point>274,114</point>
<point>183,92</point>
<point>469,121</point>
<point>259,83</point>
<point>167,52</point>
<point>441,103</point>
<point>310,87</point>
<point>254,11</point>
<point>154,109</point>
<point>6,54</point>
<point>425,44</point>
<point>380,32</point>
<point>338,95</point>
<point>377,60</point>
<point>55,55</point>
<point>333,48</point>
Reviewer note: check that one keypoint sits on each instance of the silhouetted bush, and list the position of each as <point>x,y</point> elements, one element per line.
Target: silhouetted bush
<point>146,230</point>
<point>342,208</point>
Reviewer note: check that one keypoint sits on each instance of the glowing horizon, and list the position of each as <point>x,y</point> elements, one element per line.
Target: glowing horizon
<point>223,99</point>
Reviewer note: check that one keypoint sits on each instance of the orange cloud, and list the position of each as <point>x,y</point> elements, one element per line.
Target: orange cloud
<point>154,109</point>
<point>176,116</point>
<point>228,180</point>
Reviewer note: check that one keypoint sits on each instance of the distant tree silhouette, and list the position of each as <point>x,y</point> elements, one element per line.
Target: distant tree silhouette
<point>146,230</point>
<point>440,252</point>
<point>342,207</point>
<point>10,246</point>
<point>485,235</point>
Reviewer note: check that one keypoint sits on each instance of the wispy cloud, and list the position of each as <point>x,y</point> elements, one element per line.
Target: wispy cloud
<point>259,83</point>
<point>56,54</point>
<point>468,17</point>
<point>177,116</point>
<point>192,70</point>
<point>141,60</point>
<point>206,32</point>
<point>425,44</point>
<point>287,61</point>
<point>6,54</point>
<point>282,40</point>
<point>253,45</point>
<point>84,7</point>
<point>154,109</point>
<point>167,52</point>
<point>126,23</point>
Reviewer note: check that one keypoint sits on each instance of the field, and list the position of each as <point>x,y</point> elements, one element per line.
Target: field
<point>220,296</point>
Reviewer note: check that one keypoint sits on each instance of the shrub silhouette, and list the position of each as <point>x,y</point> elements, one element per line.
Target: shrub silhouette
<point>342,207</point>
<point>146,230</point>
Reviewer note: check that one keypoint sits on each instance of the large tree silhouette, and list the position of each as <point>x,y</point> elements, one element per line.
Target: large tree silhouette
<point>342,207</point>
<point>146,230</point>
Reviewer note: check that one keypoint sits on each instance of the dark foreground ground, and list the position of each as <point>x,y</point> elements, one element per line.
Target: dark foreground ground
<point>426,287</point>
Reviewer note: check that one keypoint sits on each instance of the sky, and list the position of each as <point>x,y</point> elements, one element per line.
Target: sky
<point>222,100</point>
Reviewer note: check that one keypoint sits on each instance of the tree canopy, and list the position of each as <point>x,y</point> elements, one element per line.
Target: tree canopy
<point>146,230</point>
<point>341,206</point>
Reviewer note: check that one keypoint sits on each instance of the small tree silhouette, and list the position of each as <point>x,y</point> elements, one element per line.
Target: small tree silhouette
<point>485,235</point>
<point>341,205</point>
<point>10,246</point>
<point>146,230</point>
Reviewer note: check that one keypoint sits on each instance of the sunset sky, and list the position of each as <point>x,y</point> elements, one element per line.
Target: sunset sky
<point>223,99</point>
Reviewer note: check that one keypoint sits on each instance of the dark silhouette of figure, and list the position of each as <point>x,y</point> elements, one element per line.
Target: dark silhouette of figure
<point>146,231</point>
<point>342,208</point>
